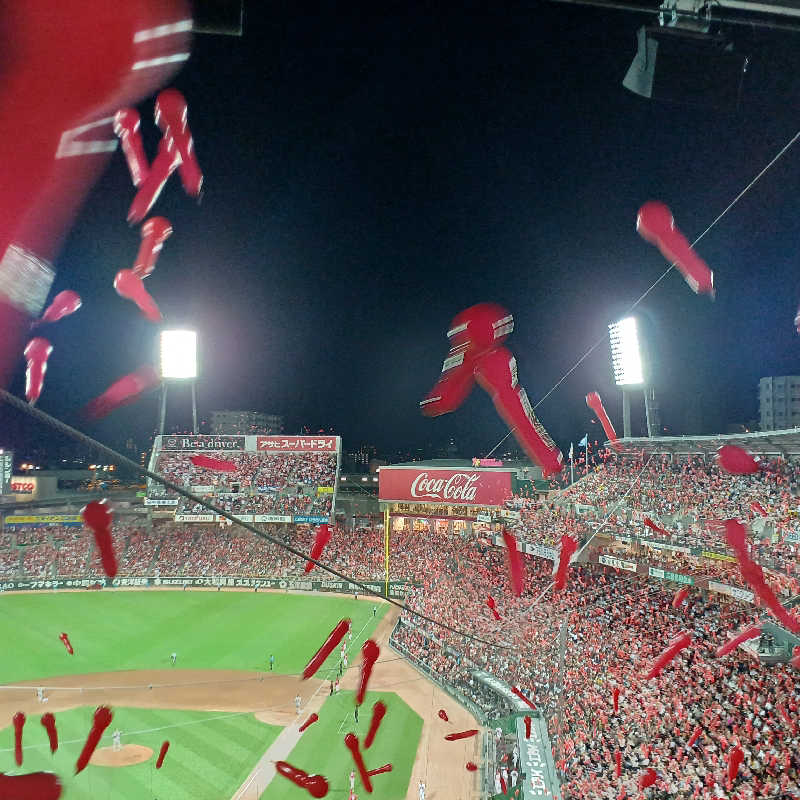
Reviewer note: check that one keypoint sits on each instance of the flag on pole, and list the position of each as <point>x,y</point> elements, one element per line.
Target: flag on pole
<point>571,451</point>
<point>584,442</point>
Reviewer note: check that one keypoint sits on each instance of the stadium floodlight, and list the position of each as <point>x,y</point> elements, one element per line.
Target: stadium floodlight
<point>178,354</point>
<point>626,356</point>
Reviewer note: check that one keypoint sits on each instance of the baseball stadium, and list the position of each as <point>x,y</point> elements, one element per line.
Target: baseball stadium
<point>236,612</point>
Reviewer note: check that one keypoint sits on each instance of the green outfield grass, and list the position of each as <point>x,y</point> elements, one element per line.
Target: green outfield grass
<point>210,754</point>
<point>321,749</point>
<point>128,630</point>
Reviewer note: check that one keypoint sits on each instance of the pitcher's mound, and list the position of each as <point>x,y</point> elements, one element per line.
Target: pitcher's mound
<point>129,755</point>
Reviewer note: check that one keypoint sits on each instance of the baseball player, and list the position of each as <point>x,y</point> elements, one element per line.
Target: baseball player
<point>514,776</point>
<point>40,694</point>
<point>352,782</point>
<point>297,702</point>
<point>173,658</point>
<point>421,791</point>
<point>116,739</point>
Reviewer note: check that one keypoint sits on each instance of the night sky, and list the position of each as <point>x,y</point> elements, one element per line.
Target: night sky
<point>370,174</point>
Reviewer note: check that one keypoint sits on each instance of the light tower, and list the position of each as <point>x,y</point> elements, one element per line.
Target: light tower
<point>629,374</point>
<point>178,364</point>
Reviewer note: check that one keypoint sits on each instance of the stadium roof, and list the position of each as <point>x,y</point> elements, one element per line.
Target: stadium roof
<point>784,443</point>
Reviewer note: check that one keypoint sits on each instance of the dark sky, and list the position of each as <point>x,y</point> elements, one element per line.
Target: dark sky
<point>368,175</point>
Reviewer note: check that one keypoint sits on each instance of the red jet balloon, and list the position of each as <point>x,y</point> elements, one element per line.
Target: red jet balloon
<point>476,354</point>
<point>737,461</point>
<point>37,351</point>
<point>155,232</point>
<point>656,225</point>
<point>172,117</point>
<point>64,304</point>
<point>129,285</point>
<point>99,518</point>
<point>126,126</point>
<point>596,404</point>
<point>67,67</point>
<point>123,392</point>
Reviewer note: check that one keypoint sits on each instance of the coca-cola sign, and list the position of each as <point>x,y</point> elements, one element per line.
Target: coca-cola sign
<point>461,487</point>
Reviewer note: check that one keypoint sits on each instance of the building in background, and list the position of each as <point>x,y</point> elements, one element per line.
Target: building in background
<point>779,402</point>
<point>243,423</point>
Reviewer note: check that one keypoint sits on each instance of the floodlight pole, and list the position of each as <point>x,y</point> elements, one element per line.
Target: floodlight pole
<point>651,410</point>
<point>194,406</point>
<point>626,414</point>
<point>162,417</point>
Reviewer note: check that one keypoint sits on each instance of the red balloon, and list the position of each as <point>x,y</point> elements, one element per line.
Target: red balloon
<point>49,723</point>
<point>378,712</point>
<point>516,569</point>
<point>568,548</point>
<point>102,719</point>
<point>369,655</point>
<point>657,528</point>
<point>19,724</point>
<point>680,596</point>
<point>129,285</point>
<point>596,404</point>
<point>675,646</point>
<point>33,786</point>
<point>735,758</point>
<point>64,304</point>
<point>162,754</point>
<point>126,126</point>
<point>171,115</point>
<point>748,633</point>
<point>757,508</point>
<point>334,637</point>
<point>154,232</point>
<point>37,351</point>
<point>123,392</point>
<point>322,537</point>
<point>164,164</point>
<point>737,461</point>
<point>98,516</point>
<point>647,778</point>
<point>476,354</point>
<point>443,715</point>
<point>217,464</point>
<point>656,225</point>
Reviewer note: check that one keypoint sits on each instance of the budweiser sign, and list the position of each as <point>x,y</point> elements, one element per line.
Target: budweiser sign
<point>461,487</point>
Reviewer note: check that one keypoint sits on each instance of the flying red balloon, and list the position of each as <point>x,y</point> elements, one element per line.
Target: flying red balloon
<point>172,115</point>
<point>123,392</point>
<point>679,643</point>
<point>656,225</point>
<point>748,633</point>
<point>164,164</point>
<point>516,570</point>
<point>657,528</point>
<point>98,517</point>
<point>596,404</point>
<point>476,354</point>
<point>126,126</point>
<point>680,596</point>
<point>33,786</point>
<point>208,462</point>
<point>154,233</point>
<point>647,778</point>
<point>102,719</point>
<point>162,754</point>
<point>322,537</point>
<point>568,548</point>
<point>64,304</point>
<point>37,351</point>
<point>735,758</point>
<point>737,461</point>
<point>129,285</point>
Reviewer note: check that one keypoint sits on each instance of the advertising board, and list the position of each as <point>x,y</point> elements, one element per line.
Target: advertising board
<point>465,487</point>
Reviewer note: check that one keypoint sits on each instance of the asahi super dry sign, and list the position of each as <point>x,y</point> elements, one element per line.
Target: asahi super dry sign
<point>461,487</point>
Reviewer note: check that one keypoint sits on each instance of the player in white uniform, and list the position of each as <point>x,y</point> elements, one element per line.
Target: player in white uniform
<point>297,702</point>
<point>514,776</point>
<point>352,781</point>
<point>116,739</point>
<point>421,791</point>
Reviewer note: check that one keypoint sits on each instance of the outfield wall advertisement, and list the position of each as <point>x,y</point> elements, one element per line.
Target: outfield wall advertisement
<point>397,589</point>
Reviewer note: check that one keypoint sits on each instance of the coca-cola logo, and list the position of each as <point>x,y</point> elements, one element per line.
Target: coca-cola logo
<point>459,486</point>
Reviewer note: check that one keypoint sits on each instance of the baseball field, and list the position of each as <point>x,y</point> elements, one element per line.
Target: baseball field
<point>227,716</point>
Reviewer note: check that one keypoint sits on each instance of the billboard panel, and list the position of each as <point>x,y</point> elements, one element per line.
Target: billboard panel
<point>320,444</point>
<point>6,468</point>
<point>465,487</point>
<point>202,443</point>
